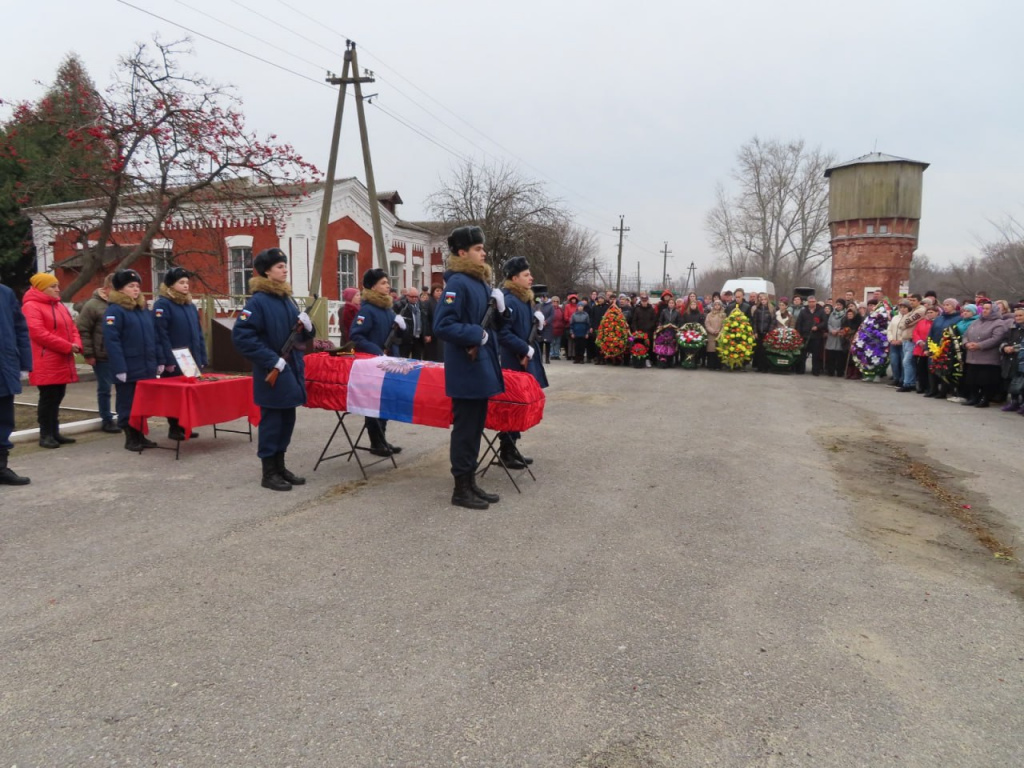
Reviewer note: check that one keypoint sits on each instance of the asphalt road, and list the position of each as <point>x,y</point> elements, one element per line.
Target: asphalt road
<point>722,569</point>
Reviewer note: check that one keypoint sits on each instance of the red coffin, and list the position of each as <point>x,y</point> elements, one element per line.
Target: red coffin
<point>518,409</point>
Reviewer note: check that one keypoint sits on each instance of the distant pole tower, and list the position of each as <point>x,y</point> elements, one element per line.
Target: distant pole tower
<point>874,214</point>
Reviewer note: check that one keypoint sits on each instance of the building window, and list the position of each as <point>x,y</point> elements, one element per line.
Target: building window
<point>396,275</point>
<point>347,266</point>
<point>162,261</point>
<point>239,269</point>
<point>870,229</point>
<point>883,229</point>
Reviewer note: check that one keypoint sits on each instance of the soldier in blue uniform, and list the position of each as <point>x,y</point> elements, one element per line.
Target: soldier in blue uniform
<point>130,338</point>
<point>177,327</point>
<point>514,339</point>
<point>15,362</point>
<point>472,373</point>
<point>260,334</point>
<point>369,332</point>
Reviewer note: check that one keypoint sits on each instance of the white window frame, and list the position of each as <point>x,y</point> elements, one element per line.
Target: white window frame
<point>347,273</point>
<point>395,276</point>
<point>161,263</point>
<point>239,269</point>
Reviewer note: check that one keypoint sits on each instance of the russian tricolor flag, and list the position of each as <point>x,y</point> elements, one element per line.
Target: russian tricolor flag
<point>399,389</point>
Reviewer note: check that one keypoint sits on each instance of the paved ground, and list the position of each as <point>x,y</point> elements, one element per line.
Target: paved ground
<point>711,569</point>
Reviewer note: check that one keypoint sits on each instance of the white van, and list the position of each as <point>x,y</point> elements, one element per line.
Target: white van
<point>751,284</point>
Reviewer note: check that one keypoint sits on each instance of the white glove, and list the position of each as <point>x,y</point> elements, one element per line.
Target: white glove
<point>24,374</point>
<point>499,299</point>
<point>400,321</point>
<point>529,353</point>
<point>160,369</point>
<point>484,341</point>
<point>306,322</point>
<point>280,364</point>
<point>169,368</point>
<point>122,377</point>
<point>540,319</point>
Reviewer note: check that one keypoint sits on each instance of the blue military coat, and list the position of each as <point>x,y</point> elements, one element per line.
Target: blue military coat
<point>457,323</point>
<point>259,334</point>
<point>370,329</point>
<point>177,326</point>
<point>513,335</point>
<point>130,338</point>
<point>16,349</point>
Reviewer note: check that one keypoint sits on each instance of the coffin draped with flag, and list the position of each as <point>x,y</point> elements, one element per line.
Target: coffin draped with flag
<point>412,391</point>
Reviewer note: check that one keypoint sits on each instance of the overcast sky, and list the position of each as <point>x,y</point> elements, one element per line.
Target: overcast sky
<point>622,108</point>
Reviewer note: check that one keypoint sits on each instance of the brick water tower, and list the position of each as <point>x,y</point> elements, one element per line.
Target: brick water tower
<point>874,214</point>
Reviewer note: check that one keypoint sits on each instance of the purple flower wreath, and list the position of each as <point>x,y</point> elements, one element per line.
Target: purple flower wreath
<point>871,346</point>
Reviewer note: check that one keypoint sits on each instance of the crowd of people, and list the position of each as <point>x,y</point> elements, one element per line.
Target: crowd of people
<point>966,352</point>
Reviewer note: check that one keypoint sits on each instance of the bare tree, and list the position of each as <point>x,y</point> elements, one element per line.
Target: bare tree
<point>507,206</point>
<point>776,224</point>
<point>562,255</point>
<point>170,143</point>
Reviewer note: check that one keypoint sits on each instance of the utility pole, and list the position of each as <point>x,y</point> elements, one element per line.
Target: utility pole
<point>318,311</point>
<point>618,274</point>
<point>691,274</point>
<point>371,186</point>
<point>664,267</point>
<point>638,288</point>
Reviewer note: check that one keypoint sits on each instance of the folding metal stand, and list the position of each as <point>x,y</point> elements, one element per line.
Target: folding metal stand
<point>492,449</point>
<point>353,447</point>
<point>216,429</point>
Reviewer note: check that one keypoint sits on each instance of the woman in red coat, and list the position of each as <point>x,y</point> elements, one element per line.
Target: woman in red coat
<point>55,341</point>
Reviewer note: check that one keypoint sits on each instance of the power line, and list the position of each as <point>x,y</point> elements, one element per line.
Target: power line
<point>220,42</point>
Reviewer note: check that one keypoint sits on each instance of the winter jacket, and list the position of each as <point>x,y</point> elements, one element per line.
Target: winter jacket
<point>90,326</point>
<point>670,317</point>
<point>811,325</point>
<point>53,333</point>
<point>177,327</point>
<point>788,321</point>
<point>713,323</point>
<point>16,348</point>
<point>579,324</point>
<point>513,339</point>
<point>1013,337</point>
<point>919,337</point>
<point>986,332</point>
<point>129,334</point>
<point>941,323</point>
<point>762,320</point>
<point>834,342</point>
<point>892,333</point>
<point>463,305</point>
<point>911,319</point>
<point>644,319</point>
<point>260,333</point>
<point>557,322</point>
<point>373,323</point>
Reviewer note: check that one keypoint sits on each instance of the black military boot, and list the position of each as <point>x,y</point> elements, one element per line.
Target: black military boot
<point>510,457</point>
<point>378,446</point>
<point>144,442</point>
<point>176,432</point>
<point>287,474</point>
<point>272,476</point>
<point>384,435</point>
<point>7,475</point>
<point>131,440</point>
<point>490,498</point>
<point>463,495</point>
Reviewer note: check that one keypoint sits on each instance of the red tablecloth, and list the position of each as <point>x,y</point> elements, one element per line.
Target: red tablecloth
<point>194,403</point>
<point>518,409</point>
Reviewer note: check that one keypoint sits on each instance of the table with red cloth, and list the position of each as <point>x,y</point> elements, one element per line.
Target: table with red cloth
<point>194,402</point>
<point>410,391</point>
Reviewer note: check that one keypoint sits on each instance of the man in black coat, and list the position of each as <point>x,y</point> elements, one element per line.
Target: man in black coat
<point>811,324</point>
<point>411,342</point>
<point>597,312</point>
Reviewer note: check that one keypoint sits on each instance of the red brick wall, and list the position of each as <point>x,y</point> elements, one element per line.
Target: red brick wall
<point>861,259</point>
<point>202,251</point>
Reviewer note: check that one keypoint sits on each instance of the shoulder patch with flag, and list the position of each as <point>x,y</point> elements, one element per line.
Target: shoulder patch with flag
<point>359,319</point>
<point>246,314</point>
<point>110,319</point>
<point>449,297</point>
<point>160,312</point>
